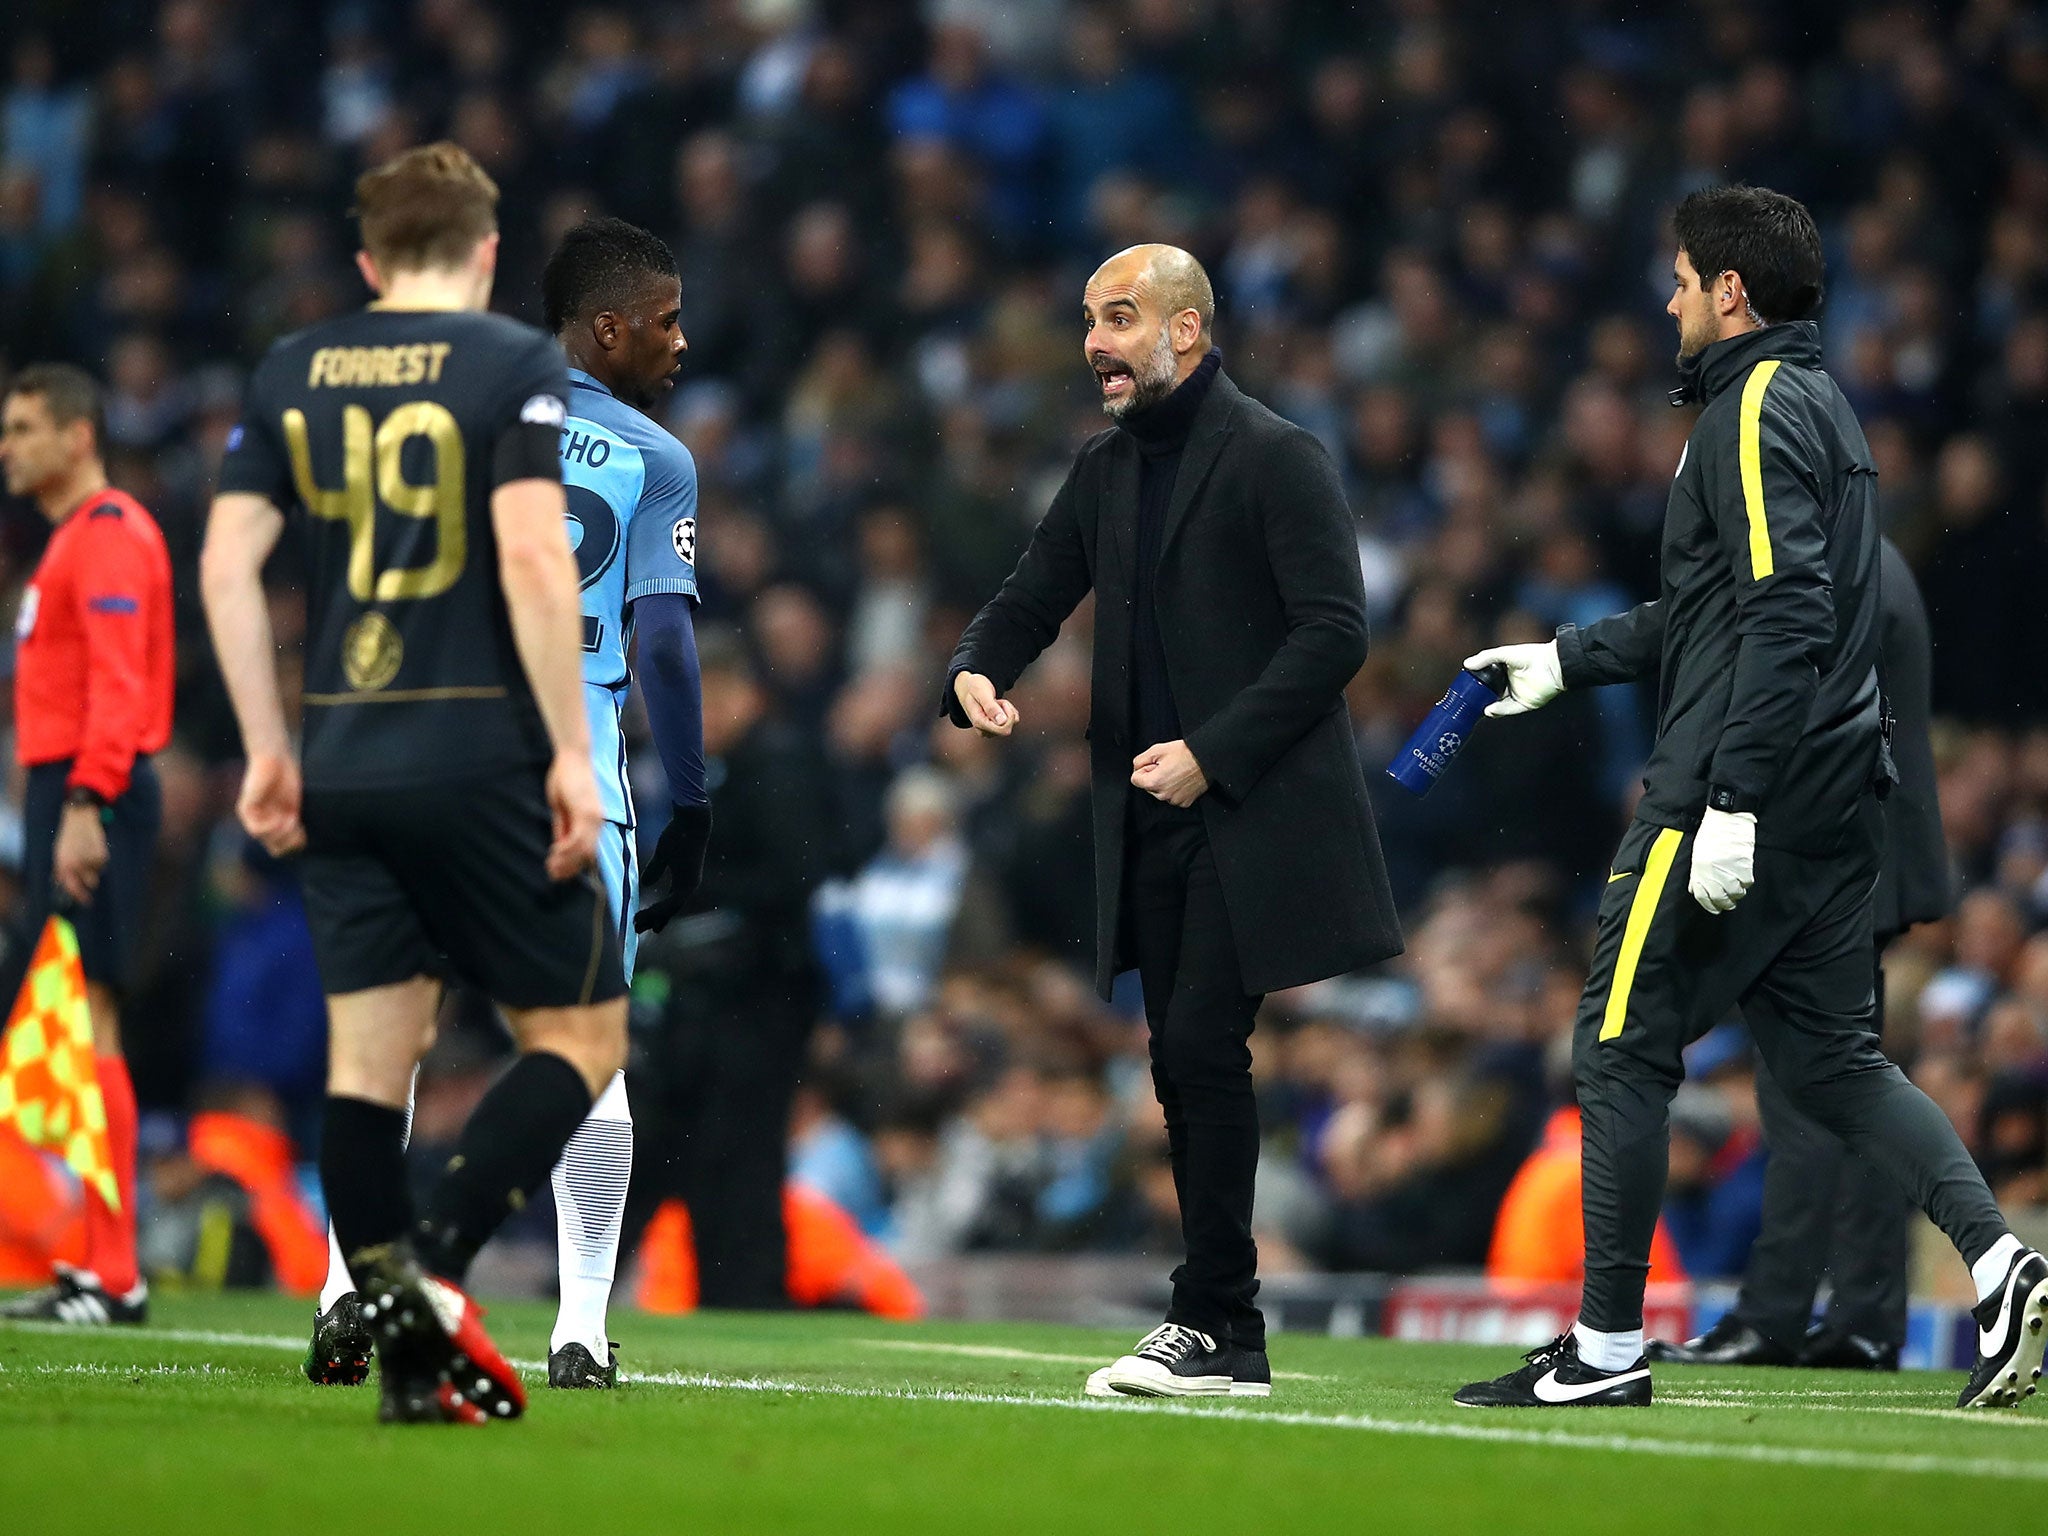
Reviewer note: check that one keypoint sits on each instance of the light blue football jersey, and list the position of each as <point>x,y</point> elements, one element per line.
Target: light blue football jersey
<point>632,493</point>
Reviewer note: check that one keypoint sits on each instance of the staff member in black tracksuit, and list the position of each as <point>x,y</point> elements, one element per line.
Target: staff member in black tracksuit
<point>1235,852</point>
<point>1746,879</point>
<point>1824,1211</point>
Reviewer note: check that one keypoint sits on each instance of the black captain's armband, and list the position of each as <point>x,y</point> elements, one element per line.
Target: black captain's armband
<point>530,448</point>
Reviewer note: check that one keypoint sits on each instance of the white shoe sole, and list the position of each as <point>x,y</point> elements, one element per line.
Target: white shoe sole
<point>1140,1378</point>
<point>1098,1384</point>
<point>2007,1389</point>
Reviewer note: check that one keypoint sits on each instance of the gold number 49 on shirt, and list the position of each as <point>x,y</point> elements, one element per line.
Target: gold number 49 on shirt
<point>371,473</point>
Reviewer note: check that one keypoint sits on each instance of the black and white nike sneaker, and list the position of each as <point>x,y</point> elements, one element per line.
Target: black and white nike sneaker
<point>339,1354</point>
<point>1172,1361</point>
<point>2011,1324</point>
<point>573,1366</point>
<point>77,1297</point>
<point>1555,1377</point>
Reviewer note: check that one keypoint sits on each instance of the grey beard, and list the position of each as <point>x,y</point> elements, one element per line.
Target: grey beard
<point>1147,388</point>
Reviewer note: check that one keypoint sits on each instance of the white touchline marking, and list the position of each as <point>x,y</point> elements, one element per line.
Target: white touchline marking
<point>1959,1415</point>
<point>1004,1352</point>
<point>167,1335</point>
<point>1694,1450</point>
<point>1632,1445</point>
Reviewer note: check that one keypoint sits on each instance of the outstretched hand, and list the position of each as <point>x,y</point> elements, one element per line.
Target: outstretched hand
<point>1535,676</point>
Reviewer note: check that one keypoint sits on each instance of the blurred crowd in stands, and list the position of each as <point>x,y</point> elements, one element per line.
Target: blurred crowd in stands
<point>1439,234</point>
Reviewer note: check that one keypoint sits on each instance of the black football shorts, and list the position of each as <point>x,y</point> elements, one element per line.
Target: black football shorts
<point>110,925</point>
<point>449,880</point>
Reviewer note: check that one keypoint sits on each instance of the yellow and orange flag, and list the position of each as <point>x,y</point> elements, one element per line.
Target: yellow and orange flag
<point>49,1089</point>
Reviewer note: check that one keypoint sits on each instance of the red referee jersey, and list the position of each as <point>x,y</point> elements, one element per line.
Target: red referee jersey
<point>95,647</point>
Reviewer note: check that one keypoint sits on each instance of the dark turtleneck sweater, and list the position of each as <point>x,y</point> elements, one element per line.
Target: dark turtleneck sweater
<point>1161,432</point>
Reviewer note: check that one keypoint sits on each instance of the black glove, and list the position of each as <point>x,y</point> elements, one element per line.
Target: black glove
<point>679,854</point>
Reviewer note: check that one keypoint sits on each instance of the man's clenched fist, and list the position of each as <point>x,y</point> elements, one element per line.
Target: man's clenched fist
<point>985,712</point>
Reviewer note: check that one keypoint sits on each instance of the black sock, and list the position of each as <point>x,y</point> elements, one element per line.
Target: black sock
<point>362,1170</point>
<point>513,1140</point>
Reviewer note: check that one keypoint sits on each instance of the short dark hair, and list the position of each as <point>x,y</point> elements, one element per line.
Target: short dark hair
<point>596,266</point>
<point>1766,236</point>
<point>427,208</point>
<point>70,393</point>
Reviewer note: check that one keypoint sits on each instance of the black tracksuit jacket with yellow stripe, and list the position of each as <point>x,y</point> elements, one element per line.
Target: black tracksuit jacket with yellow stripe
<point>1764,640</point>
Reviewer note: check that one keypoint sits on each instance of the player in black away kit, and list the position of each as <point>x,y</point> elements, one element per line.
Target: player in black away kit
<point>449,813</point>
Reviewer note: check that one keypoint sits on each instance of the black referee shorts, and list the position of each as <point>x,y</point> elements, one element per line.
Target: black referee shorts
<point>110,925</point>
<point>448,880</point>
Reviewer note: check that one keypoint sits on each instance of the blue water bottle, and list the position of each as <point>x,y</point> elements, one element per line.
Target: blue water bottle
<point>1442,735</point>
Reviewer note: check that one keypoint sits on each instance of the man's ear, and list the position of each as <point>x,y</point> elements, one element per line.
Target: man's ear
<point>1187,330</point>
<point>372,278</point>
<point>607,330</point>
<point>1730,293</point>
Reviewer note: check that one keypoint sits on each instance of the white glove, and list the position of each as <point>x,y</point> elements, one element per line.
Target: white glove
<point>1535,676</point>
<point>1723,859</point>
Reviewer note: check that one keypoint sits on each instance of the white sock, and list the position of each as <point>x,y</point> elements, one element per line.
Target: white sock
<point>590,1203</point>
<point>1608,1351</point>
<point>338,1284</point>
<point>1989,1270</point>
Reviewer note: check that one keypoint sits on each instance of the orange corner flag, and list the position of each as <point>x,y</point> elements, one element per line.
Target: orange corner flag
<point>49,1090</point>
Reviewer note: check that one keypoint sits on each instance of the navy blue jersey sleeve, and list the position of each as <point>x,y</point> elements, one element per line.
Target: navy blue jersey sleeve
<point>256,463</point>
<point>671,684</point>
<point>526,444</point>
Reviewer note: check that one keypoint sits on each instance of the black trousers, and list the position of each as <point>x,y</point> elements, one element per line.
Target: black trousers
<point>1177,930</point>
<point>711,1103</point>
<point>1825,1213</point>
<point>1794,956</point>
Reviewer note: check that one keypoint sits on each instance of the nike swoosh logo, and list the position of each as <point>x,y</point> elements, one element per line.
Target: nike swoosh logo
<point>1550,1390</point>
<point>1991,1343</point>
<point>1622,874</point>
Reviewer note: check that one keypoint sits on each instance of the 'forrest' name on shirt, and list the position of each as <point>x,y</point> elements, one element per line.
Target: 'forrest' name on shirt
<point>356,367</point>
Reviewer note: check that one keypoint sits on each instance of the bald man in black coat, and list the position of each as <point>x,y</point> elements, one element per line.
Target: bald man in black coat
<point>1235,851</point>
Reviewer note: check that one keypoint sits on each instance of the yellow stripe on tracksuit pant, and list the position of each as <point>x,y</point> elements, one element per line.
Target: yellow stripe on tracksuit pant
<point>1656,870</point>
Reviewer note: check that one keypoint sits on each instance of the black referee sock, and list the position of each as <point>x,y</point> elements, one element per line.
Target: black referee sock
<point>362,1171</point>
<point>513,1140</point>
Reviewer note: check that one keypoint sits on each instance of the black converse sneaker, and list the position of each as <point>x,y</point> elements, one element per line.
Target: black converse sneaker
<point>1555,1377</point>
<point>2011,1322</point>
<point>339,1355</point>
<point>574,1366</point>
<point>1172,1361</point>
<point>77,1297</point>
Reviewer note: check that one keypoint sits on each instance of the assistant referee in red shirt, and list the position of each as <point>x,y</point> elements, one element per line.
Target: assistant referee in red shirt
<point>92,700</point>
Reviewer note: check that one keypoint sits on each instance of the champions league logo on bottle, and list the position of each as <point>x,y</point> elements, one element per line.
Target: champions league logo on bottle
<point>1442,735</point>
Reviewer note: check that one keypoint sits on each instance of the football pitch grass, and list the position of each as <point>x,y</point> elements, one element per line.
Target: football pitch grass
<point>839,1423</point>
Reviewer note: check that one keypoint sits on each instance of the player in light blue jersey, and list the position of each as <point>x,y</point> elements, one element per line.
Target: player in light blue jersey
<point>613,300</point>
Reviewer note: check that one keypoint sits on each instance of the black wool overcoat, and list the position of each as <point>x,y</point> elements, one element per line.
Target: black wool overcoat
<point>1261,613</point>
